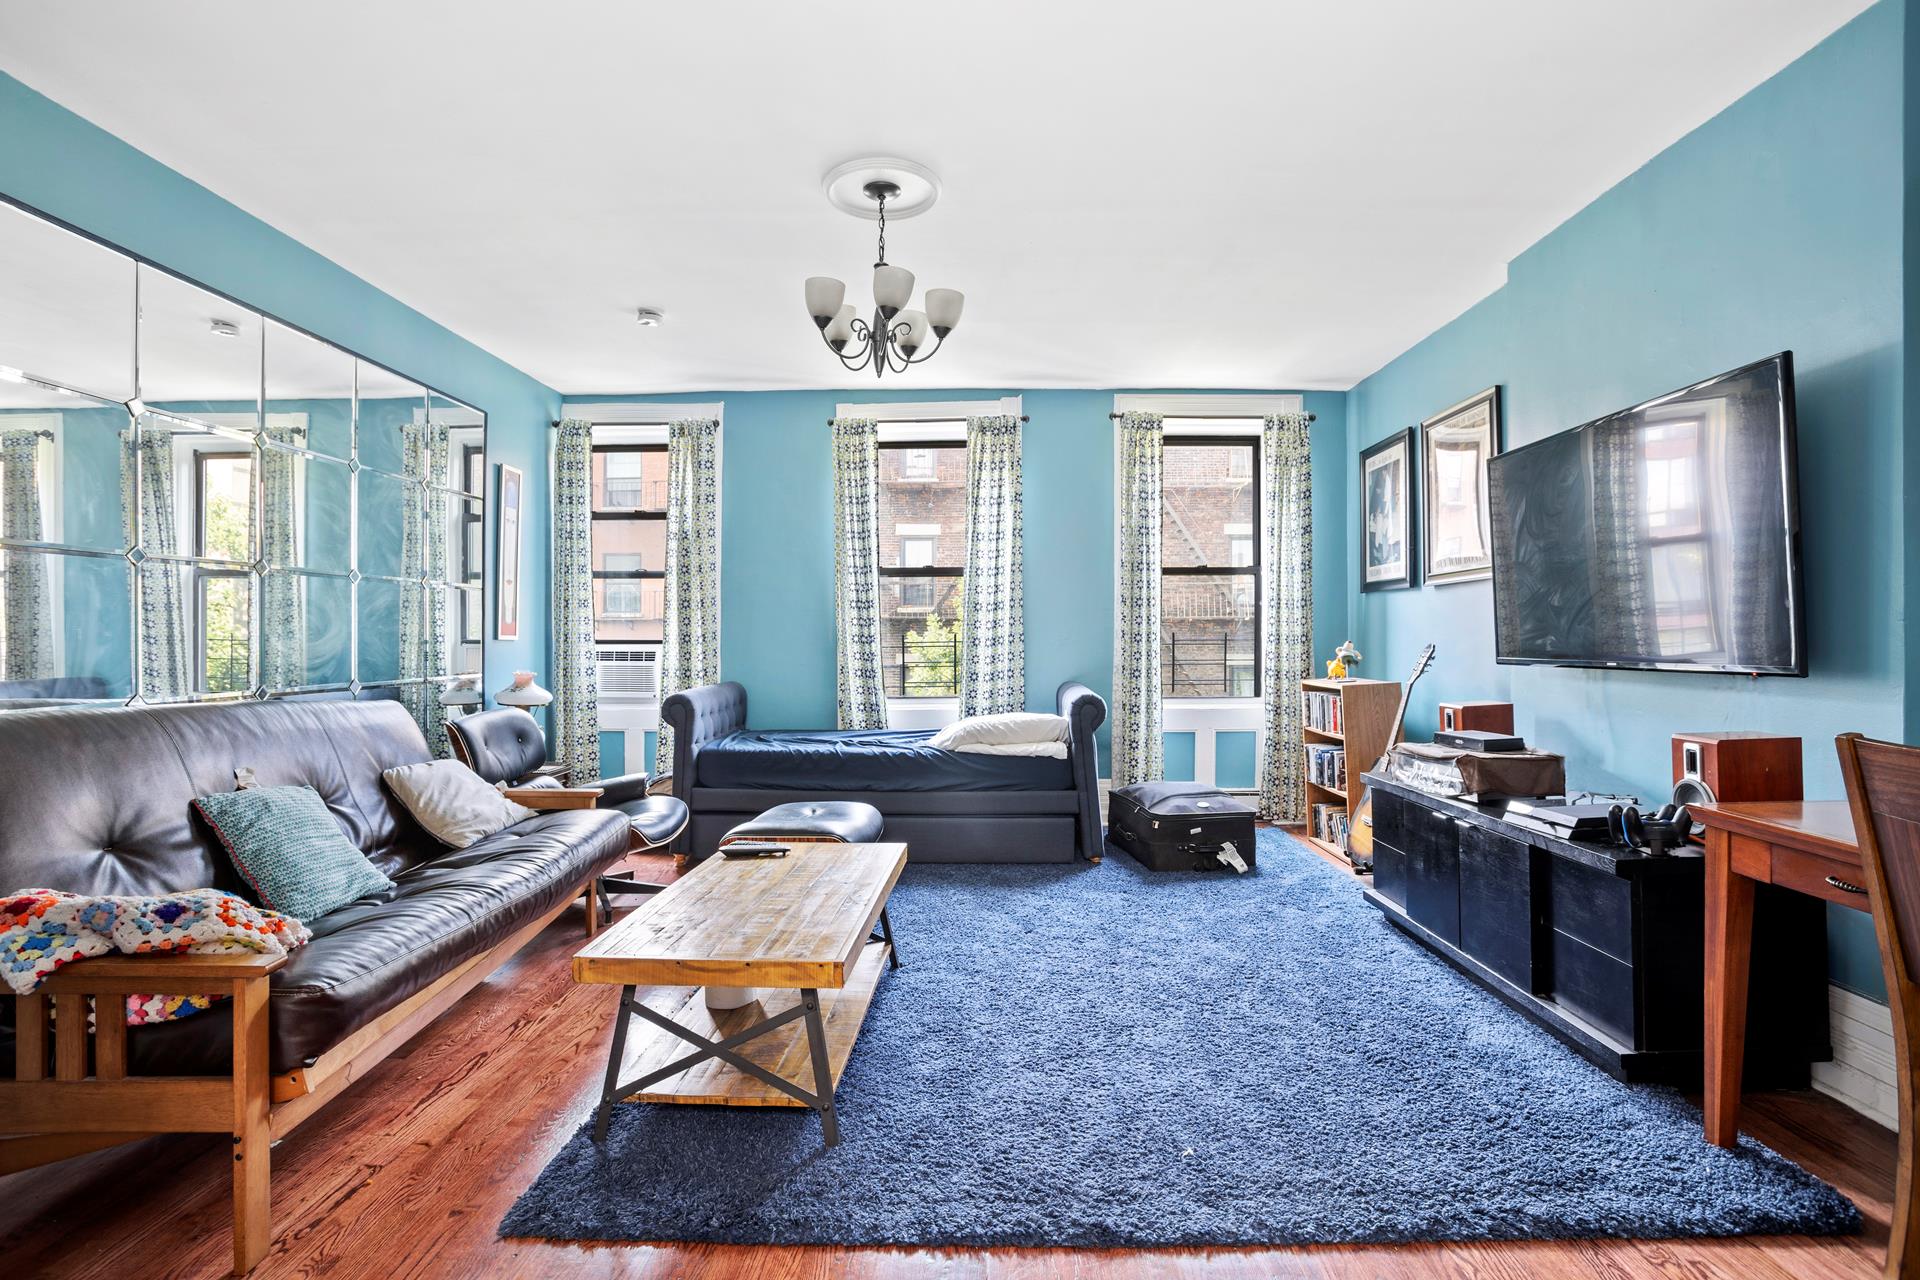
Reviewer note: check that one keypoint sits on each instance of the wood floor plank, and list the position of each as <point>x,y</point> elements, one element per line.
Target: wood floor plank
<point>409,1172</point>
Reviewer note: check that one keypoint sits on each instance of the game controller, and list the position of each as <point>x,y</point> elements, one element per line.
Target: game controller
<point>1667,829</point>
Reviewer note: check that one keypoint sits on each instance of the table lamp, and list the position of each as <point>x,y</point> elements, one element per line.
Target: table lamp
<point>462,695</point>
<point>523,693</point>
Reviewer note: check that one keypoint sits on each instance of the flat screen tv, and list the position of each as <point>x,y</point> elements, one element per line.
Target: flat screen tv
<point>1664,537</point>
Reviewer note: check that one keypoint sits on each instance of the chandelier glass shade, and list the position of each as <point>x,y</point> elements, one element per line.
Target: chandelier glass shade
<point>897,335</point>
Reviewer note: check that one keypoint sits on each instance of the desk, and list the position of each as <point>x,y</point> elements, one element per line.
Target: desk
<point>1804,846</point>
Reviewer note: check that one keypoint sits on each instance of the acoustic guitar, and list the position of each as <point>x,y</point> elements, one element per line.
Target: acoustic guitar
<point>1360,832</point>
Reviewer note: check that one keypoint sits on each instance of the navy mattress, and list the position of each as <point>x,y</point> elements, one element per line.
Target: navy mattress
<point>866,760</point>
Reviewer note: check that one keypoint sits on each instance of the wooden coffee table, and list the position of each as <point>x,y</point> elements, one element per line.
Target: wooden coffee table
<point>803,924</point>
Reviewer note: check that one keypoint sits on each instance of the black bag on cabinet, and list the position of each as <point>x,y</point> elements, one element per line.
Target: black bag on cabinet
<point>1181,826</point>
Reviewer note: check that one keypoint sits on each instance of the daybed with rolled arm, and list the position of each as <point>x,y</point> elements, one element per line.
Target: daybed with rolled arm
<point>99,801</point>
<point>947,806</point>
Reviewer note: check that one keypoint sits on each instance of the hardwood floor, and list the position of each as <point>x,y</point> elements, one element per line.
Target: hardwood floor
<point>408,1173</point>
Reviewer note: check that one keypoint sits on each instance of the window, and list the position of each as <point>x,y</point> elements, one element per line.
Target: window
<point>922,518</point>
<point>223,598</point>
<point>629,543</point>
<point>1680,569</point>
<point>1209,567</point>
<point>472,541</point>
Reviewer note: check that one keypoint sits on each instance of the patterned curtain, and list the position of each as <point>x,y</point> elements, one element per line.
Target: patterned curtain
<point>576,694</point>
<point>29,629</point>
<point>283,613</point>
<point>1136,640</point>
<point>993,662</point>
<point>413,565</point>
<point>166,671</point>
<point>692,651</point>
<point>1286,654</point>
<point>856,530</point>
<point>435,600</point>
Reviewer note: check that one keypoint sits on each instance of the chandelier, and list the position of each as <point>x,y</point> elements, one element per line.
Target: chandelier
<point>897,334</point>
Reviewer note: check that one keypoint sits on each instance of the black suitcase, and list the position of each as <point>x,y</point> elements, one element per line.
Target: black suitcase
<point>1181,826</point>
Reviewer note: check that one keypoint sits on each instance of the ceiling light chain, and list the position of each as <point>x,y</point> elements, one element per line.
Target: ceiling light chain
<point>896,335</point>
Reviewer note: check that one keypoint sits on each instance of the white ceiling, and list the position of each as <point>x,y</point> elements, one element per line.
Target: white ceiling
<point>1284,193</point>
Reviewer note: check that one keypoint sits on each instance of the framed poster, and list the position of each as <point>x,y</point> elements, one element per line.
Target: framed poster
<point>1454,447</point>
<point>1386,513</point>
<point>506,623</point>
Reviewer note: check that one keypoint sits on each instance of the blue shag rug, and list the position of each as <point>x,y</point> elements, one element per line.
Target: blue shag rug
<point>1097,1055</point>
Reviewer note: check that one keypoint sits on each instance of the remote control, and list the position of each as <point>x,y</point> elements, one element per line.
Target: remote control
<point>754,849</point>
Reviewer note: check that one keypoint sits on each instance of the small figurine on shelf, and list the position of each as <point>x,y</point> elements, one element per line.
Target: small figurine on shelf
<point>1345,657</point>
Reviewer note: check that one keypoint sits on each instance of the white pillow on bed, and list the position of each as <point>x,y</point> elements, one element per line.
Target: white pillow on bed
<point>1015,728</point>
<point>1050,750</point>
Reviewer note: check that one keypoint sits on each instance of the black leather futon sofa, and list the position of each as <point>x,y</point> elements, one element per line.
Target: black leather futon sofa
<point>98,801</point>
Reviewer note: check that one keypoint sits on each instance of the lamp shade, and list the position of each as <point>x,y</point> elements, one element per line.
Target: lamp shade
<point>915,323</point>
<point>840,329</point>
<point>523,692</point>
<point>892,288</point>
<point>824,295</point>
<point>943,309</point>
<point>457,697</point>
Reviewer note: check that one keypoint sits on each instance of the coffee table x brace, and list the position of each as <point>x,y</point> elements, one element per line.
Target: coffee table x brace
<point>801,926</point>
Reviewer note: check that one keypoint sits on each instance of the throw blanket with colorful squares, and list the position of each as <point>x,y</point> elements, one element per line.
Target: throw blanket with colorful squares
<point>42,930</point>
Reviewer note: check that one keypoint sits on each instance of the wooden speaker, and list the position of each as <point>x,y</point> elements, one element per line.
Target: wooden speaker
<point>1733,768</point>
<point>1491,717</point>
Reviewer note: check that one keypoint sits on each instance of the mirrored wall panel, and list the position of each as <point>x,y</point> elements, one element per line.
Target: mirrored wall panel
<point>199,502</point>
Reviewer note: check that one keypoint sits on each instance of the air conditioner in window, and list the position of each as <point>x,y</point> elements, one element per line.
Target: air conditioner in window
<point>629,672</point>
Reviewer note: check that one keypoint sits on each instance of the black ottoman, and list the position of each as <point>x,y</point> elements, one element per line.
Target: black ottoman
<point>813,821</point>
<point>821,822</point>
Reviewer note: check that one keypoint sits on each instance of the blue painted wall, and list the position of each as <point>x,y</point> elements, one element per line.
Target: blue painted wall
<point>776,540</point>
<point>60,164</point>
<point>1774,225</point>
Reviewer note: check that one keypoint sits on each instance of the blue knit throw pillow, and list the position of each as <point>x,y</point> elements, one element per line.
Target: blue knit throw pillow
<point>290,849</point>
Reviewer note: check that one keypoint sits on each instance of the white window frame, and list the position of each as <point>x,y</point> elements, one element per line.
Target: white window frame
<point>645,422</point>
<point>1201,415</point>
<point>940,422</point>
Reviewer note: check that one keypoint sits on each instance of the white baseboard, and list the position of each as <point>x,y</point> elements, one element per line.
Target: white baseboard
<point>1862,1074</point>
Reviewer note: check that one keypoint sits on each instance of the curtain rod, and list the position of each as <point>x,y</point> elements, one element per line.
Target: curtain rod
<point>1215,417</point>
<point>663,422</point>
<point>915,421</point>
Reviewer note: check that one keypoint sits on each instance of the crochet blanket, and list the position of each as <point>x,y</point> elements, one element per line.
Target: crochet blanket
<point>43,929</point>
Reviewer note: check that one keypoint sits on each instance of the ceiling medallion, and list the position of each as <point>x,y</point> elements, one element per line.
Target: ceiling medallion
<point>896,336</point>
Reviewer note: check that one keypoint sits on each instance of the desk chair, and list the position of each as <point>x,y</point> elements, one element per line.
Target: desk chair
<point>1883,786</point>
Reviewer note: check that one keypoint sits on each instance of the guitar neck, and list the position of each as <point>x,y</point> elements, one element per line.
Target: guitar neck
<point>1406,696</point>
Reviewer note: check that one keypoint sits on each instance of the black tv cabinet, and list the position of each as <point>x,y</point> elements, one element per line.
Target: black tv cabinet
<point>1602,946</point>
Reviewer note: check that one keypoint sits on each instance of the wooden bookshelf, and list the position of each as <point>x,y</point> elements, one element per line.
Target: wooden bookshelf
<point>1366,709</point>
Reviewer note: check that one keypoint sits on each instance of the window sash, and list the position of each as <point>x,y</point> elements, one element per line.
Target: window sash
<point>1229,671</point>
<point>473,568</point>
<point>203,577</point>
<point>597,518</point>
<point>201,459</point>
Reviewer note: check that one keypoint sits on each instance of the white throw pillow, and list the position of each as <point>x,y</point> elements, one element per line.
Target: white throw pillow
<point>456,805</point>
<point>1001,730</point>
<point>1049,750</point>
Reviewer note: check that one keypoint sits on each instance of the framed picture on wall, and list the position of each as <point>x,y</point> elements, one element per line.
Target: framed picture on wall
<point>1386,513</point>
<point>1454,447</point>
<point>506,624</point>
